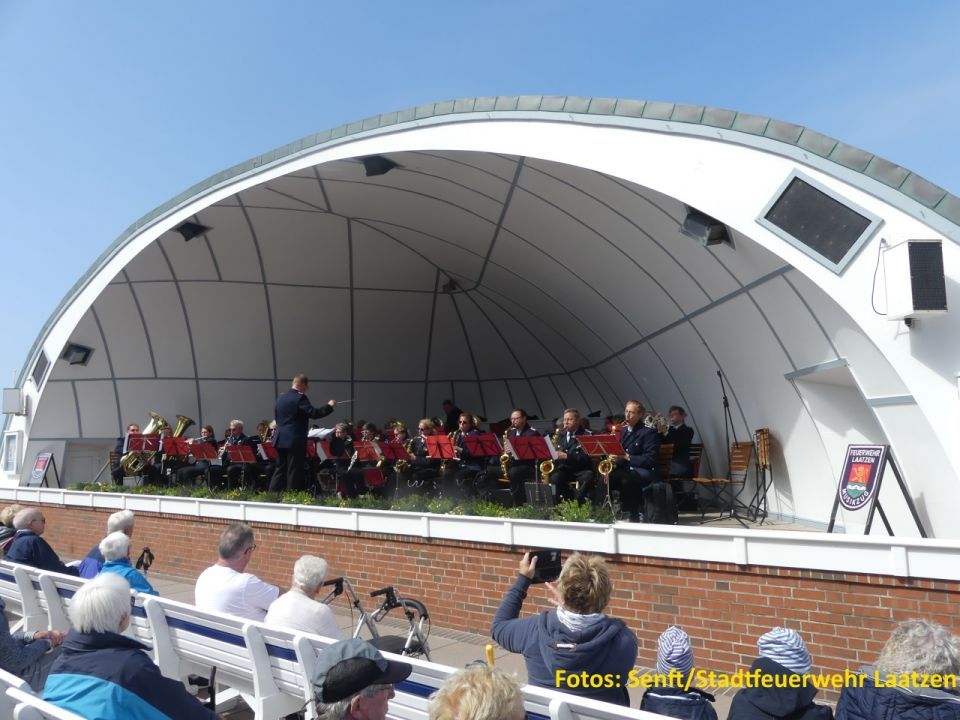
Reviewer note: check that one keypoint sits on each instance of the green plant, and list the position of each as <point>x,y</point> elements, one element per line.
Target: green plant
<point>411,503</point>
<point>573,511</point>
<point>527,512</point>
<point>297,497</point>
<point>483,508</point>
<point>440,506</point>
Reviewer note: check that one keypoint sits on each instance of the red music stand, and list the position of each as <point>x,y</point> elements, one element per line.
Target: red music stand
<point>204,451</point>
<point>175,447</point>
<point>439,447</point>
<point>533,447</point>
<point>366,450</point>
<point>394,451</point>
<point>267,451</point>
<point>240,454</point>
<point>315,449</point>
<point>482,445</point>
<point>141,443</point>
<point>600,446</point>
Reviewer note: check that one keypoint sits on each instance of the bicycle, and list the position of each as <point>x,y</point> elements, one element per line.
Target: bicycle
<point>413,644</point>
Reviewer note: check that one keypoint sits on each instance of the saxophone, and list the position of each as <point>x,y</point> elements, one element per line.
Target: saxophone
<point>453,441</point>
<point>606,465</point>
<point>401,466</point>
<point>505,458</point>
<point>547,466</point>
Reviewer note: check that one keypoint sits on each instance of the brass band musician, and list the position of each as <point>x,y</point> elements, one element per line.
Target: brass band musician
<point>460,480</point>
<point>117,472</point>
<point>635,470</point>
<point>424,470</point>
<point>573,477</point>
<point>521,471</point>
<point>188,473</point>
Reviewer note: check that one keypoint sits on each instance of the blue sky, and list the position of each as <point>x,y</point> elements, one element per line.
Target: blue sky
<point>110,109</point>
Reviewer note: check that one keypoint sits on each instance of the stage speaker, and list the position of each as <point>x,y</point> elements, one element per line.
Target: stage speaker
<point>704,229</point>
<point>915,282</point>
<point>378,165</point>
<point>77,354</point>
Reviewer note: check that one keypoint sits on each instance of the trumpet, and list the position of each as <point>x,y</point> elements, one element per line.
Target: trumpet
<point>547,466</point>
<point>353,460</point>
<point>400,466</point>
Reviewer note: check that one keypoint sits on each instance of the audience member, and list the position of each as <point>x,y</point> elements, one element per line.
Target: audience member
<point>674,664</point>
<point>28,548</point>
<point>7,531</point>
<point>298,609</point>
<point>915,646</point>
<point>121,521</point>
<point>575,637</point>
<point>226,587</point>
<point>103,674</point>
<point>353,681</point>
<point>28,655</point>
<point>480,692</point>
<point>782,653</point>
<point>115,549</point>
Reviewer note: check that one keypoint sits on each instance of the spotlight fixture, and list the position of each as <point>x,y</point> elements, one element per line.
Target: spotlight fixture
<point>378,165</point>
<point>450,286</point>
<point>704,229</point>
<point>190,230</point>
<point>77,354</point>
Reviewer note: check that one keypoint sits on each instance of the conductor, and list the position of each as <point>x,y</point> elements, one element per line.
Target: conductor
<point>293,411</point>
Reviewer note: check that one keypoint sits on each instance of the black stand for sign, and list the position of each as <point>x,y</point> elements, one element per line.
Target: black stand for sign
<point>41,467</point>
<point>875,504</point>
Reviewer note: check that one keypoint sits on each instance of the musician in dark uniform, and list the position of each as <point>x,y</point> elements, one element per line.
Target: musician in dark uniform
<point>521,471</point>
<point>151,473</point>
<point>460,479</point>
<point>680,436</point>
<point>293,413</point>
<point>188,473</point>
<point>634,471</point>
<point>451,414</point>
<point>424,471</point>
<point>573,476</point>
<point>349,479</point>
<point>238,473</point>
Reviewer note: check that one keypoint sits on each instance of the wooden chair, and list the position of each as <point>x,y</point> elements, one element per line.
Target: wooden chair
<point>741,453</point>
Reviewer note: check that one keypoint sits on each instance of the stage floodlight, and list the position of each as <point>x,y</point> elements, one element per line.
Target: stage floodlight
<point>378,165</point>
<point>190,230</point>
<point>704,229</point>
<point>77,354</point>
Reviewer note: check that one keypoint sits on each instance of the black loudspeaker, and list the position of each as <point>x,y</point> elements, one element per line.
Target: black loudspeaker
<point>378,165</point>
<point>77,354</point>
<point>915,281</point>
<point>927,283</point>
<point>704,229</point>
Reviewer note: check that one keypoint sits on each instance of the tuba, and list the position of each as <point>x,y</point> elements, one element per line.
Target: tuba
<point>547,466</point>
<point>133,463</point>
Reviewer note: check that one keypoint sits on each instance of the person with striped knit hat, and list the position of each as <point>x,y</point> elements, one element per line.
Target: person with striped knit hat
<point>674,662</point>
<point>782,653</point>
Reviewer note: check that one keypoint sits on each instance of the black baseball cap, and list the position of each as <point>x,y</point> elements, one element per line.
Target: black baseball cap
<point>348,666</point>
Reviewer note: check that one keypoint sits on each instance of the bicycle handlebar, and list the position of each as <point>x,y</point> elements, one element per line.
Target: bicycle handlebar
<point>383,591</point>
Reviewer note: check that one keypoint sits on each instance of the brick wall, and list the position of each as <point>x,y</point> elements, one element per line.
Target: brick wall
<point>844,618</point>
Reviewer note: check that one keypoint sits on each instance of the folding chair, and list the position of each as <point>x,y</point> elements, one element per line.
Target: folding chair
<point>740,454</point>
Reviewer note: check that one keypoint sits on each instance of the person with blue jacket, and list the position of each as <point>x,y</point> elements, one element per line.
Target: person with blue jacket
<point>917,649</point>
<point>115,548</point>
<point>102,674</point>
<point>672,696</point>
<point>560,645</point>
<point>121,520</point>
<point>28,548</point>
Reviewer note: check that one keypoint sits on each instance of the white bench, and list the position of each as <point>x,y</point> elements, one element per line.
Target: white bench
<point>34,605</point>
<point>30,707</point>
<point>10,593</point>
<point>7,703</point>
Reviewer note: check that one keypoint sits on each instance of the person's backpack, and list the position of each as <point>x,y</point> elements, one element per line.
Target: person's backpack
<point>658,504</point>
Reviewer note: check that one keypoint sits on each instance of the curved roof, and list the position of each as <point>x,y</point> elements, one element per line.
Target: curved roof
<point>671,117</point>
<point>523,252</point>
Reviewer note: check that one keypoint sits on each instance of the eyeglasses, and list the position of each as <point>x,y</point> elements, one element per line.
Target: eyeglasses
<point>251,548</point>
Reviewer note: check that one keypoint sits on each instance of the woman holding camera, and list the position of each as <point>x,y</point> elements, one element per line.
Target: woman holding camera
<point>576,648</point>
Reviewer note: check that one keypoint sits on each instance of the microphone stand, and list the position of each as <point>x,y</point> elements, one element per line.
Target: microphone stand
<point>727,428</point>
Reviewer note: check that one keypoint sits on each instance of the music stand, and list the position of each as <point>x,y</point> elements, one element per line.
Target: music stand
<point>172,447</point>
<point>394,451</point>
<point>439,447</point>
<point>758,504</point>
<point>142,444</point>
<point>366,450</point>
<point>538,449</point>
<point>482,445</point>
<point>602,446</point>
<point>267,452</point>
<point>240,455</point>
<point>205,451</point>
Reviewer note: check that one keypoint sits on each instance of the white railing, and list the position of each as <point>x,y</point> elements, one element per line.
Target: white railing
<point>897,557</point>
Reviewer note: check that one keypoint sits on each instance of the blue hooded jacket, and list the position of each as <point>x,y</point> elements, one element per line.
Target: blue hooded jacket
<point>103,676</point>
<point>605,649</point>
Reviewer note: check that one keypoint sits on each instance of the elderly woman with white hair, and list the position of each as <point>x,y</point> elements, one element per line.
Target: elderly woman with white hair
<point>120,521</point>
<point>115,548</point>
<point>919,653</point>
<point>299,609</point>
<point>103,674</point>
